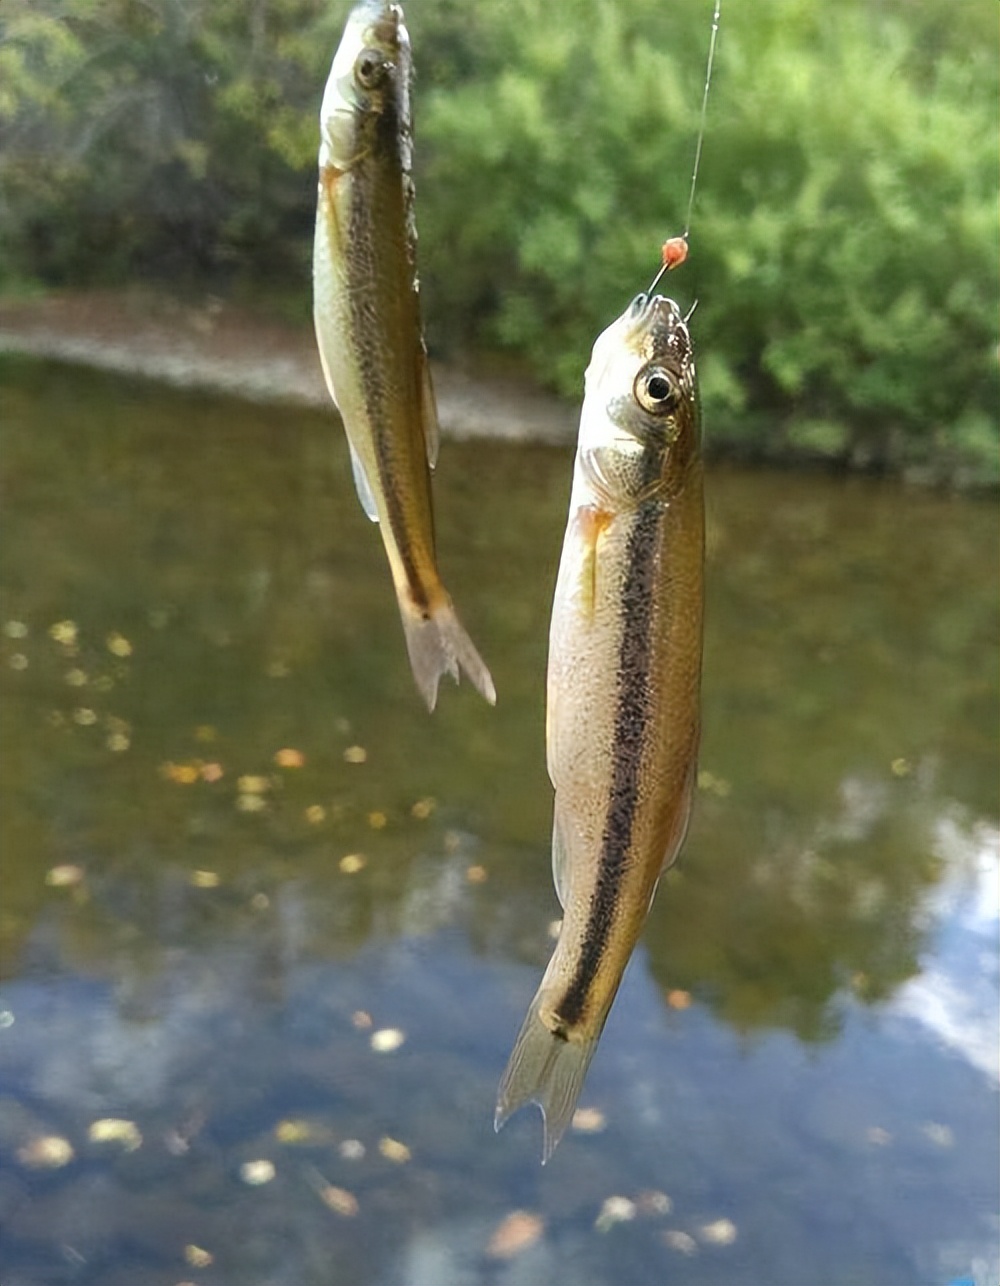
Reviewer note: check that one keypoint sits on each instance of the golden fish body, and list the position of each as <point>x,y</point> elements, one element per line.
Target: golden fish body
<point>367,317</point>
<point>624,678</point>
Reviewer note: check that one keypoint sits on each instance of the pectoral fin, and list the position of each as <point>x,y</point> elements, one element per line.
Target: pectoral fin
<point>362,486</point>
<point>591,523</point>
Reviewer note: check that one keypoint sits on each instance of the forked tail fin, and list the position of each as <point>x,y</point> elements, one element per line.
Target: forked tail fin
<point>438,645</point>
<point>545,1069</point>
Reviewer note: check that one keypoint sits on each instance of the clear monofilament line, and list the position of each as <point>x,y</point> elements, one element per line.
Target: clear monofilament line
<point>669,263</point>
<point>704,114</point>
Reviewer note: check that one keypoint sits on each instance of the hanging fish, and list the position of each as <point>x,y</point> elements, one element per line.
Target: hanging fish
<point>367,315</point>
<point>624,678</point>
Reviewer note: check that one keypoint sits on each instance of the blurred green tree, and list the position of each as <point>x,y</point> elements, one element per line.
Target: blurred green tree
<point>844,246</point>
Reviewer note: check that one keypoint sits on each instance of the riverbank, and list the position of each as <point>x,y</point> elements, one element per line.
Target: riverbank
<point>214,344</point>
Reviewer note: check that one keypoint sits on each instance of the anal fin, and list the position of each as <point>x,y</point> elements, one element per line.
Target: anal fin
<point>428,408</point>
<point>560,859</point>
<point>362,486</point>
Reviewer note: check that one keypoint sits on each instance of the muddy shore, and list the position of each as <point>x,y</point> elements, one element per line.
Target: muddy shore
<point>215,345</point>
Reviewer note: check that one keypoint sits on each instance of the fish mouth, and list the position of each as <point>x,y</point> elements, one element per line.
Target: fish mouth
<point>646,310</point>
<point>386,21</point>
<point>655,324</point>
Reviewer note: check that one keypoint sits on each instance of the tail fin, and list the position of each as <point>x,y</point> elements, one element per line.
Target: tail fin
<point>546,1069</point>
<point>439,645</point>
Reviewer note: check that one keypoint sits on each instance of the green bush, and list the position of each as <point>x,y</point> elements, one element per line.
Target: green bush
<point>843,242</point>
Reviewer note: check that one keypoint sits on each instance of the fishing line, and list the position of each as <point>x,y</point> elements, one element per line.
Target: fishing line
<point>704,113</point>
<point>675,250</point>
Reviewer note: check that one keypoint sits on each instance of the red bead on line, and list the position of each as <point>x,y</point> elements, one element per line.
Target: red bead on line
<point>674,252</point>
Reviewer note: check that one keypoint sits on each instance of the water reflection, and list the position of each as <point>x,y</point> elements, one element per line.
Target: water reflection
<point>230,832</point>
<point>955,994</point>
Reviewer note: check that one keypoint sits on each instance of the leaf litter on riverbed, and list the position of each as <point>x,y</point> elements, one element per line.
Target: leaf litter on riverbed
<point>341,1201</point>
<point>112,1129</point>
<point>387,1039</point>
<point>615,1210</point>
<point>258,1172</point>
<point>393,1150</point>
<point>66,875</point>
<point>46,1152</point>
<point>514,1234</point>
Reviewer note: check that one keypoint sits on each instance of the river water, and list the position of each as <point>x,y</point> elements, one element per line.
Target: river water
<point>268,928</point>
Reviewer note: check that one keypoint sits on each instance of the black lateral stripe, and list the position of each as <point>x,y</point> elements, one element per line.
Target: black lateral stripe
<point>631,717</point>
<point>361,275</point>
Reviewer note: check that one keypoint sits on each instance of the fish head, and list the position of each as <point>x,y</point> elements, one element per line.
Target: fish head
<point>640,425</point>
<point>369,83</point>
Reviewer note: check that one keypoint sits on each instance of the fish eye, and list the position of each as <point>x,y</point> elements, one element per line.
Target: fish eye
<point>370,69</point>
<point>637,304</point>
<point>655,391</point>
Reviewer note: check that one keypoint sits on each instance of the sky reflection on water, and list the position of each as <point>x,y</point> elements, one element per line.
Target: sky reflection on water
<point>798,1083</point>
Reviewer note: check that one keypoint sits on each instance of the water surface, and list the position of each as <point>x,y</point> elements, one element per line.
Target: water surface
<point>236,849</point>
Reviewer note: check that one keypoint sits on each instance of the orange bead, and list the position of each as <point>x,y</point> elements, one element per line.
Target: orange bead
<point>674,252</point>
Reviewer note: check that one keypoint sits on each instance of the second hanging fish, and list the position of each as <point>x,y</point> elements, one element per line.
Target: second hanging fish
<point>367,317</point>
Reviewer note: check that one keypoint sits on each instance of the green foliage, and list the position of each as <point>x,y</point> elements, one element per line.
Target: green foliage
<point>843,237</point>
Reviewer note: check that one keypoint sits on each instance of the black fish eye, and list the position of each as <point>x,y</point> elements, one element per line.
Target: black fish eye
<point>638,303</point>
<point>655,391</point>
<point>370,69</point>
